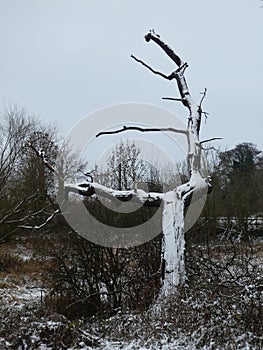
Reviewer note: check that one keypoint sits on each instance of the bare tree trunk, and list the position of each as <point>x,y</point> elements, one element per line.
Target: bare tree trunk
<point>173,243</point>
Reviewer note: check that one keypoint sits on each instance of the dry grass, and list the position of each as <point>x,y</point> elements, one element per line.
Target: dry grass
<point>211,307</point>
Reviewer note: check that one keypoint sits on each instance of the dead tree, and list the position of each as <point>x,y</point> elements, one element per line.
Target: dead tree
<point>175,201</point>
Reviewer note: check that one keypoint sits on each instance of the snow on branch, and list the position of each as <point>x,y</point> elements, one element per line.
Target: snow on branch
<point>29,216</point>
<point>90,189</point>
<point>170,52</point>
<point>41,154</point>
<point>38,227</point>
<point>195,110</point>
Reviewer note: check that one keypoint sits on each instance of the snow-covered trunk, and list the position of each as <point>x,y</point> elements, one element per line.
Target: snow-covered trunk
<point>173,245</point>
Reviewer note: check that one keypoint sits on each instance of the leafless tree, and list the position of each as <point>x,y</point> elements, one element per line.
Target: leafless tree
<point>173,271</point>
<point>25,182</point>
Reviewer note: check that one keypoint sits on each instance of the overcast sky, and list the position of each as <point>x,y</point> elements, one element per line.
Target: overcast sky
<point>63,59</point>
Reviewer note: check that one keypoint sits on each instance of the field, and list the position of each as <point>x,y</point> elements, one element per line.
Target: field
<point>220,306</point>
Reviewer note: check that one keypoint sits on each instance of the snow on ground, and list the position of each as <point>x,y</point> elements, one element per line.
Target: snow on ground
<point>18,293</point>
<point>24,253</point>
<point>173,344</point>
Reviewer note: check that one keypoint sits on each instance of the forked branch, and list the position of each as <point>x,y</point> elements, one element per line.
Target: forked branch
<point>192,134</point>
<point>38,227</point>
<point>195,110</point>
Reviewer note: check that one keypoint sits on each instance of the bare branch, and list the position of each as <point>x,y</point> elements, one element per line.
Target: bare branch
<point>137,128</point>
<point>212,139</point>
<point>212,148</point>
<point>31,215</point>
<point>168,77</point>
<point>41,155</point>
<point>16,209</point>
<point>172,99</point>
<point>88,175</point>
<point>187,100</point>
<point>206,115</point>
<point>170,52</point>
<point>203,97</point>
<point>42,225</point>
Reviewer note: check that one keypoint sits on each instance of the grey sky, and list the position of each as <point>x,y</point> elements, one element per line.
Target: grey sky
<point>63,59</point>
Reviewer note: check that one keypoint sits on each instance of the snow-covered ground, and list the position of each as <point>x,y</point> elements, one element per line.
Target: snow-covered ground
<point>20,293</point>
<point>26,324</point>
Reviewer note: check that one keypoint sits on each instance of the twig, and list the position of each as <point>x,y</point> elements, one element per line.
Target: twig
<point>16,209</point>
<point>212,139</point>
<point>203,97</point>
<point>26,217</point>
<point>172,99</point>
<point>209,148</point>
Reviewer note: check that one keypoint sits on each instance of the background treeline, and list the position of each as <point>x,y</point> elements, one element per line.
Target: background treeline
<point>86,280</point>
<point>27,193</point>
<point>235,206</point>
